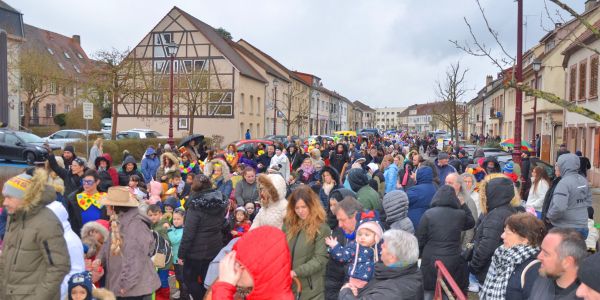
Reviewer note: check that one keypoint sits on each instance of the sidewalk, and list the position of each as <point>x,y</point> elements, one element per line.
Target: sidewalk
<point>596,204</point>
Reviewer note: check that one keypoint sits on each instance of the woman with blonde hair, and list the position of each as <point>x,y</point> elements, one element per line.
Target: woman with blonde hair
<point>305,229</point>
<point>95,152</point>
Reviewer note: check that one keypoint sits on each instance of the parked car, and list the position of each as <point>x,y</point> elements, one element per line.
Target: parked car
<point>313,138</point>
<point>63,137</point>
<point>250,144</point>
<point>23,146</point>
<point>139,134</point>
<point>106,125</point>
<point>534,161</point>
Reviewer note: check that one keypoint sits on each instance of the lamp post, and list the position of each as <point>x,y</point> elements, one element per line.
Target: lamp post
<point>519,79</point>
<point>318,95</point>
<point>275,84</point>
<point>172,51</point>
<point>536,66</point>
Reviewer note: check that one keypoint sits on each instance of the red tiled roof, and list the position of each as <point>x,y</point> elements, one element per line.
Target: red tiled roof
<point>305,77</point>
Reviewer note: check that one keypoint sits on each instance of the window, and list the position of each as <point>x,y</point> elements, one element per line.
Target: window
<point>10,139</point>
<point>76,69</point>
<point>251,110</point>
<point>53,87</point>
<point>198,65</point>
<point>182,124</point>
<point>572,82</point>
<point>75,135</point>
<point>242,103</point>
<point>187,65</point>
<point>582,79</point>
<point>50,51</point>
<point>79,55</point>
<point>257,110</point>
<point>67,108</point>
<point>594,76</point>
<point>67,55</point>
<point>50,110</point>
<point>61,66</point>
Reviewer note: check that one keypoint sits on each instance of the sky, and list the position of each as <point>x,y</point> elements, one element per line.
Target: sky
<point>385,53</point>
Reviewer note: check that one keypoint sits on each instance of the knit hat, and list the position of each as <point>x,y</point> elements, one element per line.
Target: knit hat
<point>588,272</point>
<point>83,279</point>
<point>443,155</point>
<point>69,148</point>
<point>374,227</point>
<point>357,178</point>
<point>15,187</point>
<point>173,202</point>
<point>508,167</point>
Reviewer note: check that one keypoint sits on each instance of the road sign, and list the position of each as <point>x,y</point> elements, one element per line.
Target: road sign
<point>88,111</point>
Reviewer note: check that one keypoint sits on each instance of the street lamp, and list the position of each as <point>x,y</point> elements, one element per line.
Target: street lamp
<point>171,51</point>
<point>318,95</point>
<point>536,65</point>
<point>275,84</point>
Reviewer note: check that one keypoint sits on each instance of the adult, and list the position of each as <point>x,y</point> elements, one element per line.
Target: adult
<point>247,135</point>
<point>491,165</point>
<point>365,194</point>
<point>561,150</point>
<point>248,159</point>
<point>129,271</point>
<point>584,164</point>
<point>456,181</point>
<point>246,190</point>
<point>305,229</point>
<point>496,193</point>
<point>420,195</point>
<point>464,159</point>
<point>295,156</point>
<point>202,232</point>
<point>330,179</point>
<point>441,163</point>
<point>589,289</point>
<point>272,192</point>
<point>563,251</point>
<point>169,166</point>
<point>232,156</point>
<point>71,174</point>
<point>281,161</point>
<point>95,152</point>
<point>150,165</point>
<point>220,176</point>
<point>129,167</point>
<point>514,267</point>
<point>571,197</point>
<point>259,262</point>
<point>439,235</point>
<point>537,192</point>
<point>264,160</point>
<point>68,155</point>
<point>108,174</point>
<point>470,184</point>
<point>397,276</point>
<point>390,173</point>
<point>192,149</point>
<point>435,174</point>
<point>525,170</point>
<point>35,257</point>
<point>335,197</point>
<point>395,206</point>
<point>339,159</point>
<point>84,205</point>
<point>306,172</point>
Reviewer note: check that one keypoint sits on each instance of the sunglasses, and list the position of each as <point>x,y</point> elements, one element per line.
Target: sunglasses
<point>87,182</point>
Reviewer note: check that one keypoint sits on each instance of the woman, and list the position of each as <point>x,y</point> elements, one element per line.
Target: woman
<point>439,235</point>
<point>295,156</point>
<point>329,182</point>
<point>249,159</point>
<point>305,230</point>
<point>71,176</point>
<point>514,266</point>
<point>281,161</point>
<point>471,189</point>
<point>537,192</point>
<point>127,273</point>
<point>220,177</point>
<point>232,156</point>
<point>390,173</point>
<point>306,171</point>
<point>192,148</point>
<point>187,165</point>
<point>246,190</point>
<point>202,232</point>
<point>420,195</point>
<point>315,155</point>
<point>272,191</point>
<point>95,152</point>
<point>128,168</point>
<point>169,165</point>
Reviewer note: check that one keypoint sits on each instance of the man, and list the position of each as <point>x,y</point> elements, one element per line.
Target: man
<point>464,159</point>
<point>561,150</point>
<point>589,289</point>
<point>366,195</point>
<point>247,134</point>
<point>84,205</point>
<point>397,275</point>
<point>35,258</point>
<point>264,160</point>
<point>70,175</point>
<point>443,167</point>
<point>571,197</point>
<point>584,164</point>
<point>562,251</point>
<point>68,156</point>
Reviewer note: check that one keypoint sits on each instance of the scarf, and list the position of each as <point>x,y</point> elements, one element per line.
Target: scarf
<point>327,188</point>
<point>85,200</point>
<point>504,262</point>
<point>308,171</point>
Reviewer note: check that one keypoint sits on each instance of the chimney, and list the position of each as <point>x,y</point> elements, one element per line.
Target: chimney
<point>488,80</point>
<point>77,39</point>
<point>590,4</point>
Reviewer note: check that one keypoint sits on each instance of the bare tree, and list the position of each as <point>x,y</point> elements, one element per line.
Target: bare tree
<point>195,93</point>
<point>295,108</point>
<point>450,91</point>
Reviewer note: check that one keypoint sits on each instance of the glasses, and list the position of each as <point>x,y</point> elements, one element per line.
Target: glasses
<point>87,182</point>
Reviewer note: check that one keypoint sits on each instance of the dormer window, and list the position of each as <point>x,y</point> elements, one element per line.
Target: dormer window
<point>76,69</point>
<point>67,55</point>
<point>61,66</point>
<point>79,55</point>
<point>50,51</point>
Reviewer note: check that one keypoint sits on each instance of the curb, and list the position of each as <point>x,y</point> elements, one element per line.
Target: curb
<point>595,191</point>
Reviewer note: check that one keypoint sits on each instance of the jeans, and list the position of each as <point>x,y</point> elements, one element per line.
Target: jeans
<point>583,231</point>
<point>194,272</point>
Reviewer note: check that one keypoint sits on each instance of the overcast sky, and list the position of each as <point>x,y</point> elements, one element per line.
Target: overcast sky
<point>382,52</point>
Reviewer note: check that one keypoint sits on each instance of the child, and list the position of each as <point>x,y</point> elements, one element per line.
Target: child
<point>362,253</point>
<point>175,233</point>
<point>169,207</point>
<point>134,182</point>
<point>241,224</point>
<point>93,236</point>
<point>80,288</point>
<point>154,191</point>
<point>250,210</point>
<point>160,225</point>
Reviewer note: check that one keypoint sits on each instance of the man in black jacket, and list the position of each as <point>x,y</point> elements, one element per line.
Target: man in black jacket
<point>264,160</point>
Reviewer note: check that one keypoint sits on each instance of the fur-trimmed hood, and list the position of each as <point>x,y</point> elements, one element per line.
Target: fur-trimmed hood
<point>501,191</point>
<point>170,156</point>
<point>210,166</point>
<point>38,194</point>
<point>89,226</point>
<point>274,185</point>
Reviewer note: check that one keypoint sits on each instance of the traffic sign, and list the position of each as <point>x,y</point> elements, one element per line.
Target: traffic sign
<point>88,111</point>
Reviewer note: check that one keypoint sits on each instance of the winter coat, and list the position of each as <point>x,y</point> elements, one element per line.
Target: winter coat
<point>295,158</point>
<point>124,175</point>
<point>35,257</point>
<point>365,194</point>
<point>390,283</point>
<point>283,163</point>
<point>132,270</point>
<point>272,213</point>
<point>514,289</point>
<point>377,182</point>
<point>495,196</point>
<point>74,245</point>
<point>395,205</point>
<point>439,237</point>
<point>572,196</point>
<point>309,259</point>
<point>265,161</point>
<point>363,257</point>
<point>108,177</point>
<point>264,252</point>
<point>150,165</point>
<point>224,186</point>
<point>545,288</point>
<point>323,196</point>
<point>339,160</point>
<point>536,196</point>
<point>72,181</point>
<point>202,231</point>
<point>245,192</point>
<point>170,171</point>
<point>75,212</point>
<point>391,177</point>
<point>175,234</point>
<point>404,175</point>
<point>444,171</point>
<point>420,195</point>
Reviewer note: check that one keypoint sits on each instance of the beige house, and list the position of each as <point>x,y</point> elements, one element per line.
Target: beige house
<point>213,83</point>
<point>387,118</point>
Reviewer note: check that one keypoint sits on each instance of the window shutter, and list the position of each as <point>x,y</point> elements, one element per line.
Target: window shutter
<point>573,83</point>
<point>582,80</point>
<point>594,76</point>
<point>597,149</point>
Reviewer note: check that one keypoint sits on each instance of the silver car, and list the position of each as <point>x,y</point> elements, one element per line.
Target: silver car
<point>64,137</point>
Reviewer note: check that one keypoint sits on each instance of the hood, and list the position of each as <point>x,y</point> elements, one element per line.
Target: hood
<point>170,156</point>
<point>496,165</point>
<point>61,213</point>
<point>445,197</point>
<point>224,167</point>
<point>395,205</point>
<point>264,252</point>
<point>155,188</point>
<point>149,151</point>
<point>496,190</point>
<point>38,193</point>
<point>340,194</point>
<point>94,226</point>
<point>274,185</point>
<point>129,159</point>
<point>357,178</point>
<point>104,157</point>
<point>334,173</point>
<point>210,200</point>
<point>424,175</point>
<point>568,164</point>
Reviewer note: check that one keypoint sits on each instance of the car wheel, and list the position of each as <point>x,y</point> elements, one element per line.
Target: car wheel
<point>30,158</point>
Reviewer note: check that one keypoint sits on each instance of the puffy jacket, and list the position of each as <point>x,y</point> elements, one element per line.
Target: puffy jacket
<point>420,195</point>
<point>496,196</point>
<point>337,160</point>
<point>439,237</point>
<point>35,257</point>
<point>402,283</point>
<point>272,214</point>
<point>572,196</point>
<point>395,205</point>
<point>124,175</point>
<point>150,165</point>
<point>168,172</point>
<point>391,177</point>
<point>108,177</point>
<point>202,231</point>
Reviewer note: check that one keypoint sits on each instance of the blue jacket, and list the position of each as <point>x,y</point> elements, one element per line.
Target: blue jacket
<point>444,171</point>
<point>420,195</point>
<point>225,187</point>
<point>365,265</point>
<point>391,176</point>
<point>150,165</point>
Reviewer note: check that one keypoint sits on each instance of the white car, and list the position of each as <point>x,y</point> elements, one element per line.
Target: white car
<point>139,134</point>
<point>63,137</point>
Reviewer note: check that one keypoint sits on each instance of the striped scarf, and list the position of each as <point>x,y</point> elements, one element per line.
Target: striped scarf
<point>504,262</point>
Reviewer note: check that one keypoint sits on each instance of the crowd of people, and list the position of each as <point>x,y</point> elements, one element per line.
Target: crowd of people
<point>359,218</point>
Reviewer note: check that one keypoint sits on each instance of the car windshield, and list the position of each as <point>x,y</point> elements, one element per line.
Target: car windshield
<point>29,137</point>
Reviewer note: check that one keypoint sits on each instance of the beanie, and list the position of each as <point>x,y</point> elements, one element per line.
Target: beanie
<point>588,272</point>
<point>508,167</point>
<point>374,227</point>
<point>69,148</point>
<point>443,155</point>
<point>83,279</point>
<point>15,187</point>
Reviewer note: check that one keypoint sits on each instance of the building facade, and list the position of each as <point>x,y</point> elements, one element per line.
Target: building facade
<point>388,118</point>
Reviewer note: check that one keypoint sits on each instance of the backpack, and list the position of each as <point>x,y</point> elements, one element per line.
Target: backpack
<point>161,253</point>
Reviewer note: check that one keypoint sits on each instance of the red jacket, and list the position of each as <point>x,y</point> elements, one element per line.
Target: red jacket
<point>265,254</point>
